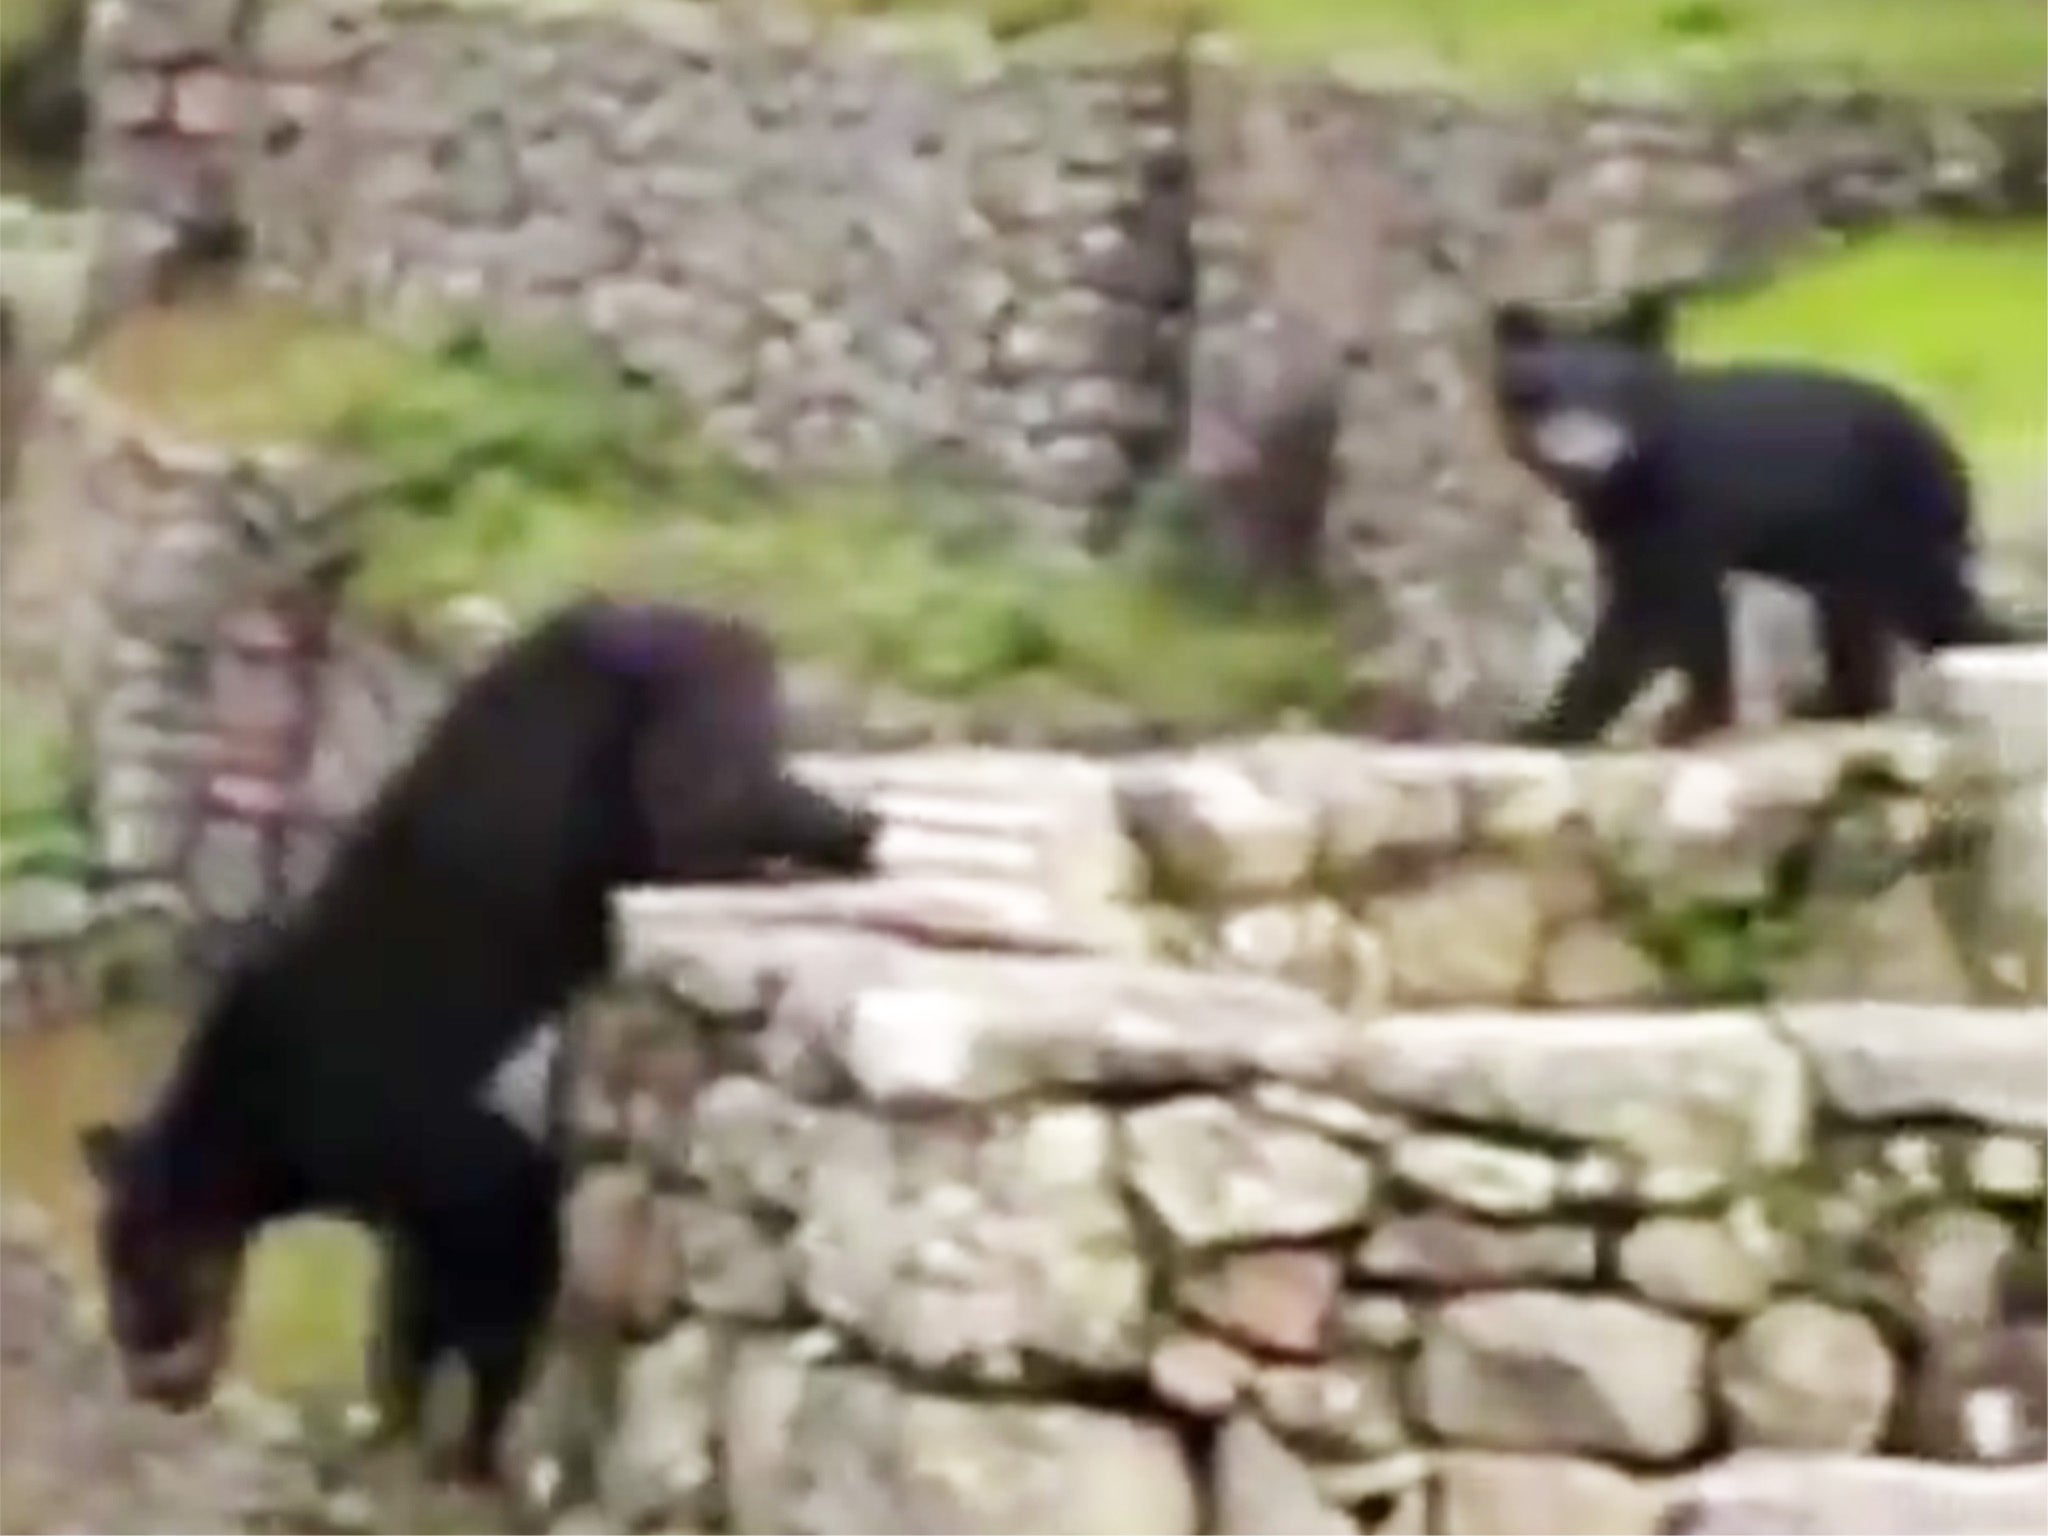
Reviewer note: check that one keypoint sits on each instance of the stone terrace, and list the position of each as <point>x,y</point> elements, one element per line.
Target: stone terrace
<point>959,1200</point>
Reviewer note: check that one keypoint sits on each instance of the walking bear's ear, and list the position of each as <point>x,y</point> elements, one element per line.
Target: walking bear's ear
<point>1645,321</point>
<point>100,1147</point>
<point>1515,325</point>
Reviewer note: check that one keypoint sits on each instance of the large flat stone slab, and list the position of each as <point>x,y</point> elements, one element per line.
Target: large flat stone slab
<point>1889,1061</point>
<point>1684,1098</point>
<point>1788,1495</point>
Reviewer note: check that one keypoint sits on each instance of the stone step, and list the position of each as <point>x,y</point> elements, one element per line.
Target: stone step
<point>1390,877</point>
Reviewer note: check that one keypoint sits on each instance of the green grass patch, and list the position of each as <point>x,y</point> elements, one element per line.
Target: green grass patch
<point>534,474</point>
<point>246,371</point>
<point>1948,47</point>
<point>1955,316</point>
<point>42,827</point>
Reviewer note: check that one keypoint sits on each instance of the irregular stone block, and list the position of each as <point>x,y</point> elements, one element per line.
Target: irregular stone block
<point>1543,1371</point>
<point>970,1248</point>
<point>1475,1175</point>
<point>1200,1375</point>
<point>614,1264</point>
<point>1485,1493</point>
<point>1894,1061</point>
<point>1467,936</point>
<point>1214,1173</point>
<point>1213,832</point>
<point>1698,1264</point>
<point>1805,1376</point>
<point>1775,1494</point>
<point>1262,1487</point>
<point>929,1027</point>
<point>1591,965</point>
<point>1344,1409</point>
<point>1279,1299</point>
<point>1311,944</point>
<point>1703,1096</point>
<point>1895,945</point>
<point>749,1143</point>
<point>657,1468</point>
<point>1454,1251</point>
<point>1951,1259</point>
<point>856,1452</point>
<point>731,1264</point>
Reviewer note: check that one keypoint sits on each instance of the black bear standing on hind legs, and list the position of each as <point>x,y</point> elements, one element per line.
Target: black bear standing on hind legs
<point>1681,475</point>
<point>342,1065</point>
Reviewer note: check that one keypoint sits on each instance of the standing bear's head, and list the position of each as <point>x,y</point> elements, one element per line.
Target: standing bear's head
<point>171,1241</point>
<point>1578,401</point>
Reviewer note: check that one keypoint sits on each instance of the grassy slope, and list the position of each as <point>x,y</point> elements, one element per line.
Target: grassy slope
<point>1967,47</point>
<point>871,578</point>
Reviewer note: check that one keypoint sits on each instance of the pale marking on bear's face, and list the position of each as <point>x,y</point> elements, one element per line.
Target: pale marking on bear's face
<point>1579,440</point>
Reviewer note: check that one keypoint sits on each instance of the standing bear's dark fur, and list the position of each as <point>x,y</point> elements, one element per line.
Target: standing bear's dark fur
<point>341,1066</point>
<point>1680,475</point>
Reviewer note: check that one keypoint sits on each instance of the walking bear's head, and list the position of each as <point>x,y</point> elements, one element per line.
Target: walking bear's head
<point>171,1243</point>
<point>1578,400</point>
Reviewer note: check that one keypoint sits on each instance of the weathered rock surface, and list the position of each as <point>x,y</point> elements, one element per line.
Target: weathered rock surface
<point>1262,1487</point>
<point>1878,1061</point>
<point>1479,1176</point>
<point>657,1468</point>
<point>831,1447</point>
<point>1693,1096</point>
<point>1544,1371</point>
<point>1805,1376</point>
<point>1484,1493</point>
<point>979,1251</point>
<point>1455,1251</point>
<point>908,1026</point>
<point>1213,1173</point>
<point>1802,1495</point>
<point>1698,1264</point>
<point>1282,1300</point>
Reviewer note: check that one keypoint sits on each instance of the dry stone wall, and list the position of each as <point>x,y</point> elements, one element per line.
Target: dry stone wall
<point>959,1199</point>
<point>874,1234</point>
<point>879,245</point>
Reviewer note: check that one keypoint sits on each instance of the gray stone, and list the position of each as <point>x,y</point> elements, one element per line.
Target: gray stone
<point>1199,1374</point>
<point>1699,1264</point>
<point>38,911</point>
<point>1951,1258</point>
<point>1479,1176</point>
<point>1343,1409</point>
<point>1542,1371</point>
<point>1777,1494</point>
<point>1214,832</point>
<point>1281,1300</point>
<point>1892,1061</point>
<point>1591,965</point>
<point>732,1264</point>
<point>1213,1173</point>
<point>862,1454</point>
<point>1310,944</point>
<point>1262,1488</point>
<point>965,1249</point>
<point>1483,1493</point>
<point>657,1469</point>
<point>1707,1096</point>
<point>1454,1251</point>
<point>1805,1376</point>
<point>918,1027</point>
<point>749,1143</point>
<point>1467,936</point>
<point>2008,1168</point>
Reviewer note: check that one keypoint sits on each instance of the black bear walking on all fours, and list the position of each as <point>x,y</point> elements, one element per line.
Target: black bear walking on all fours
<point>343,1065</point>
<point>1681,475</point>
